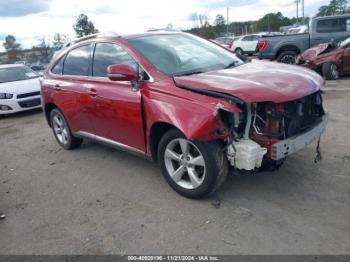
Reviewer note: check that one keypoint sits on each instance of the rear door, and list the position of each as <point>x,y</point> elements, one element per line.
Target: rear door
<point>69,84</point>
<point>117,115</point>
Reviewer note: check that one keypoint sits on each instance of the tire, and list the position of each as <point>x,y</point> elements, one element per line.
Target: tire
<point>330,71</point>
<point>287,57</point>
<point>210,168</point>
<point>62,131</point>
<point>239,51</point>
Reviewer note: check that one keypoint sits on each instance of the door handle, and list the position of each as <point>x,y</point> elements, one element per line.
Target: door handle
<point>57,87</point>
<point>92,92</point>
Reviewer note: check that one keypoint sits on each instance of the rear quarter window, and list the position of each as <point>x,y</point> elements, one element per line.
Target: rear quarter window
<point>58,68</point>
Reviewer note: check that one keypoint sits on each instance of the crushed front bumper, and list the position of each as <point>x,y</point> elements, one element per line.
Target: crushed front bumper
<point>291,145</point>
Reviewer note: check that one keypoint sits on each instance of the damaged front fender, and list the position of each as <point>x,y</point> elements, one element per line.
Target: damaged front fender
<point>196,116</point>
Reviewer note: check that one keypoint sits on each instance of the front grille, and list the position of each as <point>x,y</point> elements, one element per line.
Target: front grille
<point>30,103</point>
<point>28,94</point>
<point>303,113</point>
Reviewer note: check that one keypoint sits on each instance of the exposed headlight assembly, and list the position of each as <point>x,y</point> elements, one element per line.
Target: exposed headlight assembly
<point>6,96</point>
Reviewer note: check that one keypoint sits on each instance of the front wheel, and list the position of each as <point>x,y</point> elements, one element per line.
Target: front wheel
<point>194,169</point>
<point>62,131</point>
<point>330,71</point>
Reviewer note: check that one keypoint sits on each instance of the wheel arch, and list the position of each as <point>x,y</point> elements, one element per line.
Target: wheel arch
<point>289,47</point>
<point>47,109</point>
<point>157,131</point>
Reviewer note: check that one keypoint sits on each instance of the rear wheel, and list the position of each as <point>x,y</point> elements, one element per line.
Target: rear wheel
<point>287,57</point>
<point>62,131</point>
<point>194,169</point>
<point>330,71</point>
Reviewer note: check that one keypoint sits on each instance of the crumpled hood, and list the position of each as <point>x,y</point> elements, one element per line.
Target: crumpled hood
<point>313,52</point>
<point>258,81</point>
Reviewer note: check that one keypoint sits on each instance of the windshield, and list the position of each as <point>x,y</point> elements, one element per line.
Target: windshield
<point>18,73</point>
<point>181,54</point>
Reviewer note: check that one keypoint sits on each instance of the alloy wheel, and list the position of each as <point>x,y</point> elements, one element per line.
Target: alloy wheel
<point>288,59</point>
<point>334,71</point>
<point>185,163</point>
<point>60,129</point>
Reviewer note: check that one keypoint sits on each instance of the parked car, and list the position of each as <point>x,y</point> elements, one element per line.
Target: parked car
<point>187,103</point>
<point>245,44</point>
<point>330,60</point>
<point>322,30</point>
<point>225,41</point>
<point>19,89</point>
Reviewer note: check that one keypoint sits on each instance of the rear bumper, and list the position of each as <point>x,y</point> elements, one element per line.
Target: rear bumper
<point>289,146</point>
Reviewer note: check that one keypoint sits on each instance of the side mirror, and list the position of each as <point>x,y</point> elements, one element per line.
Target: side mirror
<point>122,73</point>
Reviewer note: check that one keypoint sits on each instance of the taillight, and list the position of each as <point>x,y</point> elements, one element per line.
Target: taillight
<point>262,45</point>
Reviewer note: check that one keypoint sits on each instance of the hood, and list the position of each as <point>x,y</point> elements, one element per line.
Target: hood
<point>257,82</point>
<point>21,87</point>
<point>313,52</point>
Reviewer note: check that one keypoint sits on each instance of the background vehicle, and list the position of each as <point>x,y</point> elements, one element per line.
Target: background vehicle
<point>184,102</point>
<point>322,30</point>
<point>245,44</point>
<point>331,60</point>
<point>19,89</point>
<point>225,41</point>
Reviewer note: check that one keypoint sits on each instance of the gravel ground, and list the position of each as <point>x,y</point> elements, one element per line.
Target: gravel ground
<point>98,200</point>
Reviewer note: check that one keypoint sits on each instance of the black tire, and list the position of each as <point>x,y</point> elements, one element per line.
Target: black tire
<point>287,57</point>
<point>216,165</point>
<point>330,71</point>
<point>71,141</point>
<point>239,51</point>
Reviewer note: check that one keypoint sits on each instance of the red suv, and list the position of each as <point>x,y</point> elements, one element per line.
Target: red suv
<point>185,102</point>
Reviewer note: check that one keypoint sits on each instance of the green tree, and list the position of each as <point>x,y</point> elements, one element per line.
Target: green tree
<point>12,48</point>
<point>335,7</point>
<point>83,26</point>
<point>273,22</point>
<point>219,20</point>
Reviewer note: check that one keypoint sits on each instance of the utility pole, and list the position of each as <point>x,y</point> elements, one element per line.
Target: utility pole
<point>227,20</point>
<point>303,9</point>
<point>297,3</point>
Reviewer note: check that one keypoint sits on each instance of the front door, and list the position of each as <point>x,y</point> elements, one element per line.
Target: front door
<point>118,114</point>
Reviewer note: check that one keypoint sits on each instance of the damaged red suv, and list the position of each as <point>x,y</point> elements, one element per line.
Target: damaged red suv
<point>188,104</point>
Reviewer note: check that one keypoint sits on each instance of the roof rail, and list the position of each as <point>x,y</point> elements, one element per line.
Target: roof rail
<point>80,39</point>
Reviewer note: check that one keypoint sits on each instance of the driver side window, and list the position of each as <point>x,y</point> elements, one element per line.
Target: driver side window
<point>107,54</point>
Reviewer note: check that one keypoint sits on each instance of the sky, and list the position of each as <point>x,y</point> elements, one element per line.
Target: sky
<point>30,20</point>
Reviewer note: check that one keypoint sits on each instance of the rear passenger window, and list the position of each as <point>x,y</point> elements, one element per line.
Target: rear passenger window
<point>330,26</point>
<point>77,61</point>
<point>58,68</point>
<point>107,54</point>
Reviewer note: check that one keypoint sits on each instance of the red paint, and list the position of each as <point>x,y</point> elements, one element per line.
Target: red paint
<point>111,109</point>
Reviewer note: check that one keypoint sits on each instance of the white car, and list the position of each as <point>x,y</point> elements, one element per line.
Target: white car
<point>19,89</point>
<point>246,44</point>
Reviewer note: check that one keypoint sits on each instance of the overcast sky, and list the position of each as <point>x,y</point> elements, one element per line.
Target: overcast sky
<point>30,19</point>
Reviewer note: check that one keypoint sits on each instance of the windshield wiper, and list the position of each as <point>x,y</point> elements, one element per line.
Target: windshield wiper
<point>189,73</point>
<point>233,64</point>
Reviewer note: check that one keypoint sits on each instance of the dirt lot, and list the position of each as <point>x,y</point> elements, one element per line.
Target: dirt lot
<point>100,200</point>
